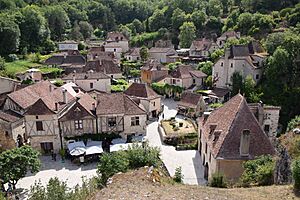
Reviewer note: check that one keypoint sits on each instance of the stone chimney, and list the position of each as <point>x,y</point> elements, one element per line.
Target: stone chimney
<point>56,106</point>
<point>94,106</point>
<point>50,88</point>
<point>65,99</point>
<point>245,142</point>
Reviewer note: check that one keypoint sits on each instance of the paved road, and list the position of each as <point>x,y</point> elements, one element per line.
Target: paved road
<point>189,160</point>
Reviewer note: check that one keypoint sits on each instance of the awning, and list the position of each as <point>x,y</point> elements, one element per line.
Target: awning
<point>77,151</point>
<point>73,145</point>
<point>93,147</point>
<point>118,147</point>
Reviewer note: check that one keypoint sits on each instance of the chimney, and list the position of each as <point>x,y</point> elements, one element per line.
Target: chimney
<point>74,76</point>
<point>245,142</point>
<point>65,99</point>
<point>94,106</point>
<point>56,106</point>
<point>50,88</point>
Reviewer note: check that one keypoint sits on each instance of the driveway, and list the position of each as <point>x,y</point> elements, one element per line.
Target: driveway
<point>189,160</point>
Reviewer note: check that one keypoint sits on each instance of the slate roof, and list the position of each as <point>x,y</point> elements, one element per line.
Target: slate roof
<point>111,36</point>
<point>117,103</point>
<point>104,66</point>
<point>141,90</point>
<point>230,120</point>
<point>229,34</point>
<point>253,47</point>
<point>220,92</point>
<point>65,60</point>
<point>134,52</point>
<point>186,71</point>
<point>160,50</point>
<point>86,76</point>
<point>189,99</point>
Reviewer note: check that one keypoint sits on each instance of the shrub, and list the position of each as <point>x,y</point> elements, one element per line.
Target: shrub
<point>217,180</point>
<point>296,173</point>
<point>178,177</point>
<point>293,123</point>
<point>12,57</point>
<point>258,171</point>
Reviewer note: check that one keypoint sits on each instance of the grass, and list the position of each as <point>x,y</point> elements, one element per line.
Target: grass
<point>19,66</point>
<point>187,127</point>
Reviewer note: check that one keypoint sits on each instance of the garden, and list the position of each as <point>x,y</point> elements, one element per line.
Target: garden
<point>181,133</point>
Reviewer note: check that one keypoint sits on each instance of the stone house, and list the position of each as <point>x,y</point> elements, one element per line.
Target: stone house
<point>67,45</point>
<point>143,94</point>
<point>163,55</point>
<point>247,60</point>
<point>267,116</point>
<point>98,53</point>
<point>229,136</point>
<point>226,36</point>
<point>8,85</point>
<point>90,81</point>
<point>117,113</point>
<point>202,48</point>
<point>185,76</point>
<point>153,71</point>
<point>31,74</point>
<point>116,43</point>
<point>191,105</point>
<point>133,54</point>
<point>107,67</point>
<point>164,44</point>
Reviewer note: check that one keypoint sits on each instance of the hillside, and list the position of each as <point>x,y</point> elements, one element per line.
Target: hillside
<point>139,185</point>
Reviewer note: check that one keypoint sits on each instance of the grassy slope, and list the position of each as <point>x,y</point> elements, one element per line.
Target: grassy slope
<point>137,185</point>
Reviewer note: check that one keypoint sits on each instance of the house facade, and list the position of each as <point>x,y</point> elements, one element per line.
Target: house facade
<point>133,54</point>
<point>247,60</point>
<point>163,55</point>
<point>228,137</point>
<point>153,71</point>
<point>202,48</point>
<point>90,81</point>
<point>226,36</point>
<point>143,94</point>
<point>191,105</point>
<point>67,45</point>
<point>107,67</point>
<point>8,85</point>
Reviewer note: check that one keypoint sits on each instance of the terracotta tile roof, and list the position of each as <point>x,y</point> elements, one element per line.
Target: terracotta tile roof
<point>141,90</point>
<point>9,116</point>
<point>186,71</point>
<point>202,44</point>
<point>39,108</point>
<point>189,99</point>
<point>220,92</point>
<point>229,121</point>
<point>117,103</point>
<point>134,52</point>
<point>86,76</point>
<point>254,47</point>
<point>160,50</point>
<point>153,65</point>
<point>229,34</point>
<point>65,60</point>
<point>104,66</point>
<point>115,36</point>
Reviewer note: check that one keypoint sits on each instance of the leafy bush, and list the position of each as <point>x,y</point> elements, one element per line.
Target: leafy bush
<point>217,180</point>
<point>293,123</point>
<point>178,177</point>
<point>158,88</point>
<point>258,171</point>
<point>12,57</point>
<point>296,173</point>
<point>216,105</point>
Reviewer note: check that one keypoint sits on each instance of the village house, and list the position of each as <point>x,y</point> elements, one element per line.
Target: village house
<point>226,36</point>
<point>116,43</point>
<point>133,54</point>
<point>98,53</point>
<point>164,44</point>
<point>247,60</point>
<point>90,80</point>
<point>267,116</point>
<point>185,76</point>
<point>153,71</point>
<point>229,136</point>
<point>8,85</point>
<point>107,67</point>
<point>191,105</point>
<point>163,55</point>
<point>117,113</point>
<point>202,48</point>
<point>67,45</point>
<point>32,74</point>
<point>143,94</point>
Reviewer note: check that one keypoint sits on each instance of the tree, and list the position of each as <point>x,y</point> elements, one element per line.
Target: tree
<point>86,29</point>
<point>198,18</point>
<point>245,22</point>
<point>75,34</point>
<point>157,20</point>
<point>187,34</point>
<point>15,163</point>
<point>2,63</point>
<point>58,21</point>
<point>296,173</point>
<point>144,53</point>
<point>9,35</point>
<point>178,18</point>
<point>215,8</point>
<point>237,83</point>
<point>138,26</point>
<point>206,67</point>
<point>252,94</point>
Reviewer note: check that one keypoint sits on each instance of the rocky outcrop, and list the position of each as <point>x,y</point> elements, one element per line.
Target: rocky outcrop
<point>283,173</point>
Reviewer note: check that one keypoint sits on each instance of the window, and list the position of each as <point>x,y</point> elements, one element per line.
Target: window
<point>39,126</point>
<point>112,121</point>
<point>231,65</point>
<point>154,103</point>
<point>267,128</point>
<point>37,117</point>
<point>210,157</point>
<point>205,147</point>
<point>217,74</point>
<point>78,124</point>
<point>194,81</point>
<point>222,64</point>
<point>257,76</point>
<point>115,50</point>
<point>135,121</point>
<point>91,85</point>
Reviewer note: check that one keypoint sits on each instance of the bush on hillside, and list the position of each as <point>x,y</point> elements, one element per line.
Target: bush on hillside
<point>217,180</point>
<point>178,177</point>
<point>296,173</point>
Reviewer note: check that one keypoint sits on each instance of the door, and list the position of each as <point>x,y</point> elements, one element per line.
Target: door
<point>47,147</point>
<point>206,170</point>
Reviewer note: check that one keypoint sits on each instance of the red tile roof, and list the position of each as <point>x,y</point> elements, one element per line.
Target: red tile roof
<point>189,99</point>
<point>230,120</point>
<point>141,90</point>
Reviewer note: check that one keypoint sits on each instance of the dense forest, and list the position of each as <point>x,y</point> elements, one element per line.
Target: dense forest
<point>35,25</point>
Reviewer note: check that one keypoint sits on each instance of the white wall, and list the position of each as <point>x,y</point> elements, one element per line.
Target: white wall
<point>63,47</point>
<point>7,85</point>
<point>98,84</point>
<point>128,129</point>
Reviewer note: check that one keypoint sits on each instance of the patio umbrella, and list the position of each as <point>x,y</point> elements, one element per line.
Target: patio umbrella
<point>77,151</point>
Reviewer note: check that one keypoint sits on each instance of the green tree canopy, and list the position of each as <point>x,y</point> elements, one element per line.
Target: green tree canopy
<point>187,34</point>
<point>9,35</point>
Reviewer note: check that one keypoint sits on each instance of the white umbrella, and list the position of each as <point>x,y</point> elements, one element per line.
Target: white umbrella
<point>77,151</point>
<point>93,150</point>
